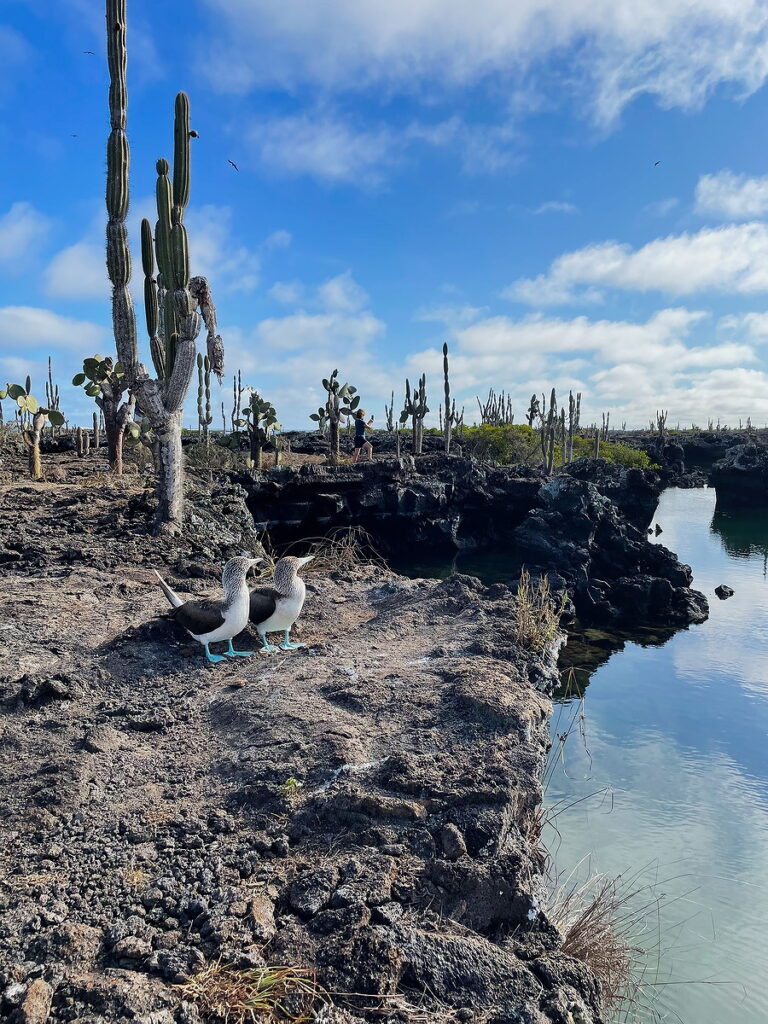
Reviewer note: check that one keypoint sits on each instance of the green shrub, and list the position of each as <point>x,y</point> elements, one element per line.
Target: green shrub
<point>612,451</point>
<point>505,445</point>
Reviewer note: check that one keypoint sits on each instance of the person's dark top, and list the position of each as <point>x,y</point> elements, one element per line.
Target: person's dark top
<point>360,427</point>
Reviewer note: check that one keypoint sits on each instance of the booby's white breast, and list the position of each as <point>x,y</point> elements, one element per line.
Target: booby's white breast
<point>235,620</point>
<point>287,610</point>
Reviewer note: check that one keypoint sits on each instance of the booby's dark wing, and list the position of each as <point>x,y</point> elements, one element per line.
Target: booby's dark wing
<point>199,617</point>
<point>263,604</point>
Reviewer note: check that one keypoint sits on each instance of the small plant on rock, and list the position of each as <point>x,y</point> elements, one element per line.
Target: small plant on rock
<point>233,996</point>
<point>537,612</point>
<point>32,419</point>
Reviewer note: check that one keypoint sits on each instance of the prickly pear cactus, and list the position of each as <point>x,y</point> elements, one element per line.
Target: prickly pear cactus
<point>260,421</point>
<point>32,419</point>
<point>342,401</point>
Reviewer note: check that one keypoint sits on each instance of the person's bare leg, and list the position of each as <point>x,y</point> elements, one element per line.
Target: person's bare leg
<point>369,450</point>
<point>355,455</point>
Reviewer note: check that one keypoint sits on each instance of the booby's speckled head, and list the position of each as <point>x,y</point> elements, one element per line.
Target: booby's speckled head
<point>287,569</point>
<point>236,570</point>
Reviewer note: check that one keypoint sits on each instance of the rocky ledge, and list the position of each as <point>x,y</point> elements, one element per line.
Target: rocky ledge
<point>741,477</point>
<point>585,526</point>
<point>366,808</point>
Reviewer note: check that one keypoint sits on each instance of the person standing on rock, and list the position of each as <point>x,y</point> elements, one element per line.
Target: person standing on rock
<point>361,441</point>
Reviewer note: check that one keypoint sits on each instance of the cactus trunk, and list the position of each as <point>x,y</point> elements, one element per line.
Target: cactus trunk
<point>32,440</point>
<point>335,453</point>
<point>169,465</point>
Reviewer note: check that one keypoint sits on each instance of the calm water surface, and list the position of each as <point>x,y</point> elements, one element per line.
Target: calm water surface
<point>677,736</point>
<point>671,784</point>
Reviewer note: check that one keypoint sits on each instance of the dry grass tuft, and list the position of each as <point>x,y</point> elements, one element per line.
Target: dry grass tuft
<point>255,996</point>
<point>598,919</point>
<point>340,550</point>
<point>134,877</point>
<point>537,612</point>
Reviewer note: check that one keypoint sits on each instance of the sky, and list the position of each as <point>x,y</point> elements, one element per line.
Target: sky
<point>570,193</point>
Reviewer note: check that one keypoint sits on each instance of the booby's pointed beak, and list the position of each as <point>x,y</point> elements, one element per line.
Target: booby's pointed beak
<point>305,559</point>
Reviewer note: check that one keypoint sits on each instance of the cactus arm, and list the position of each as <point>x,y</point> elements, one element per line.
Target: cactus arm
<point>181,376</point>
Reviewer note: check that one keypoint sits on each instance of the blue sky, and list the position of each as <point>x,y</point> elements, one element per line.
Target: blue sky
<point>412,173</point>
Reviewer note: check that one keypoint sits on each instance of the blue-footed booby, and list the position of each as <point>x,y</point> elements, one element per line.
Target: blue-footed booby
<point>276,608</point>
<point>211,621</point>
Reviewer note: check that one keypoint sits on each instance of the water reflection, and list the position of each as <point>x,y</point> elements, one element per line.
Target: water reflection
<point>743,532</point>
<point>677,731</point>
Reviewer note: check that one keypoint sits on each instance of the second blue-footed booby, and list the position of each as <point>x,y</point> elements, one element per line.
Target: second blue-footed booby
<point>276,608</point>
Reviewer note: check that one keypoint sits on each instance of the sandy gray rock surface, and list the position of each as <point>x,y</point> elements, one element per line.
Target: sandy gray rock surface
<point>364,807</point>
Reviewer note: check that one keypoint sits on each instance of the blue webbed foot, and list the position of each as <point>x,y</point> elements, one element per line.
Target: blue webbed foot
<point>267,647</point>
<point>232,653</point>
<point>288,644</point>
<point>213,658</point>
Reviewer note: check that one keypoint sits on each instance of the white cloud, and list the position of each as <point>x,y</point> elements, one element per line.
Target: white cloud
<point>78,272</point>
<point>731,259</point>
<point>752,326</point>
<point>732,196</point>
<point>23,229</point>
<point>337,294</point>
<point>556,206</point>
<point>451,316</point>
<point>288,293</point>
<point>214,253</point>
<point>29,326</point>
<point>278,240</point>
<point>672,49</point>
<point>317,332</point>
<point>342,293</point>
<point>662,207</point>
<point>323,146</point>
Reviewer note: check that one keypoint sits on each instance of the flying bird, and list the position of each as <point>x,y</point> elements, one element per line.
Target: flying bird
<point>233,164</point>
<point>193,134</point>
<point>89,51</point>
<point>657,163</point>
<point>73,136</point>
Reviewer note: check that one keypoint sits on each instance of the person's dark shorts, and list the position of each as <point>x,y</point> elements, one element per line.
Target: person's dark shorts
<point>360,441</point>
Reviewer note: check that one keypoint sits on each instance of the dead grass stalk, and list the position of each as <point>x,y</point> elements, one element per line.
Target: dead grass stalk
<point>259,995</point>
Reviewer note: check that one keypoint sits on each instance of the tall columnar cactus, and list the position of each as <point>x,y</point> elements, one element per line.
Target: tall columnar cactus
<point>172,298</point>
<point>497,410</point>
<point>389,413</point>
<point>32,420</point>
<point>204,414</point>
<point>342,401</point>
<point>548,420</point>
<point>607,423</point>
<point>51,393</point>
<point>96,431</point>
<point>260,420</point>
<point>237,399</point>
<point>105,382</point>
<point>415,407</point>
<point>450,419</point>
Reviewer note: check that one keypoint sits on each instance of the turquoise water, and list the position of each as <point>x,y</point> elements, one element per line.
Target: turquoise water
<point>669,786</point>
